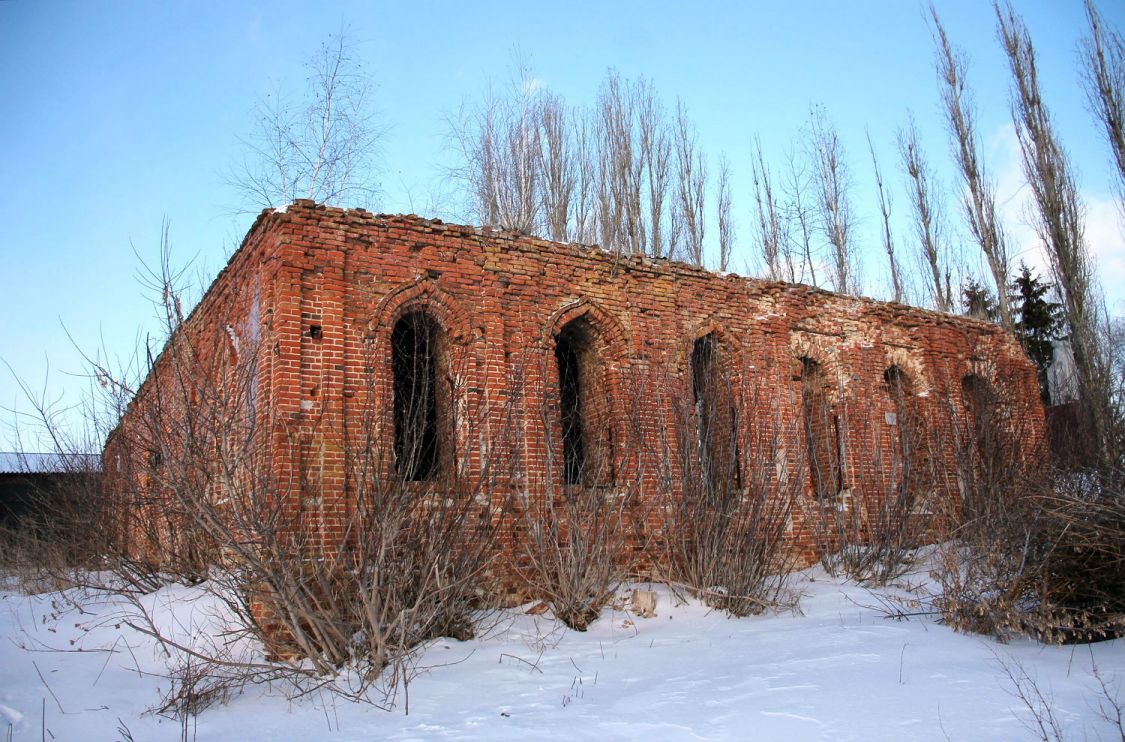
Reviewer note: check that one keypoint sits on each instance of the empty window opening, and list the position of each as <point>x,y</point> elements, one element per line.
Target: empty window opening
<point>414,361</point>
<point>911,455</point>
<point>571,344</point>
<point>979,400</point>
<point>715,419</point>
<point>901,424</point>
<point>823,438</point>
<point>901,415</point>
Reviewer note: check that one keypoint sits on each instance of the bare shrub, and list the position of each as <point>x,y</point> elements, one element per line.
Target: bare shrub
<point>1044,719</point>
<point>57,530</point>
<point>1032,696</point>
<point>991,561</point>
<point>982,580</point>
<point>1111,706</point>
<point>198,684</point>
<point>1027,548</point>
<point>729,478</point>
<point>575,550</point>
<point>1085,518</point>
<point>573,542</point>
<point>869,528</point>
<point>376,540</point>
<point>65,528</point>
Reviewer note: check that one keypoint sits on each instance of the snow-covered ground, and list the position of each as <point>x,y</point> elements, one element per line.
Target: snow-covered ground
<point>840,671</point>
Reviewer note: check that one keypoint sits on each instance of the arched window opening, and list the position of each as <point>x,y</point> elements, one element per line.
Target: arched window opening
<point>716,419</point>
<point>980,403</point>
<point>583,406</point>
<point>905,426</point>
<point>901,396</point>
<point>822,432</point>
<point>570,398</point>
<point>415,355</point>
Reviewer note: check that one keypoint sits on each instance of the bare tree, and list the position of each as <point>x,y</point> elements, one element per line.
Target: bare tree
<point>474,133</point>
<point>633,154</point>
<point>800,212</point>
<point>585,210</point>
<point>557,167</point>
<point>604,174</point>
<point>832,182</point>
<point>1104,75</point>
<point>656,153</point>
<point>770,226</point>
<point>323,146</point>
<point>724,219</point>
<point>517,170</point>
<point>980,192</point>
<point>689,221</point>
<point>1059,214</point>
<point>619,169</point>
<point>885,210</point>
<point>926,219</point>
<point>516,166</point>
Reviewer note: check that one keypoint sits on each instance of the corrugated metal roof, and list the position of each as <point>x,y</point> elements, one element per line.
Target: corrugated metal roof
<point>12,462</point>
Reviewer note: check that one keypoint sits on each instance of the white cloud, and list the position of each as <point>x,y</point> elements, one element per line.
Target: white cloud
<point>1105,236</point>
<point>1014,200</point>
<point>1105,233</point>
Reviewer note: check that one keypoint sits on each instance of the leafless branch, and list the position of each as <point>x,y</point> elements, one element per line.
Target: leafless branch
<point>926,220</point>
<point>885,211</point>
<point>833,204</point>
<point>323,146</point>
<point>1059,222</point>
<point>980,192</point>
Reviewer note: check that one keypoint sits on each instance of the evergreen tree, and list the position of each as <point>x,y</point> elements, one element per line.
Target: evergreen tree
<point>977,301</point>
<point>1038,322</point>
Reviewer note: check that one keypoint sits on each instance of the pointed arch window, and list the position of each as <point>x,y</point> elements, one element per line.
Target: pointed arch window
<point>587,434</point>
<point>416,354</point>
<point>980,403</point>
<point>822,432</point>
<point>905,427</point>
<point>716,419</point>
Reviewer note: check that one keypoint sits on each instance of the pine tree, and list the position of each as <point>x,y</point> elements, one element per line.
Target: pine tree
<point>1038,322</point>
<point>977,301</point>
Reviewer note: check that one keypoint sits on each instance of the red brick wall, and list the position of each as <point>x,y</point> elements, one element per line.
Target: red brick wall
<point>330,284</point>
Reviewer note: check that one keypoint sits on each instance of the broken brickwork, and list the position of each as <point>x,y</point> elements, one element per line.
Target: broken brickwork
<point>546,366</point>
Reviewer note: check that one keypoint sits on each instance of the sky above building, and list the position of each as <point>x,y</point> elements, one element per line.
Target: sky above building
<point>119,116</point>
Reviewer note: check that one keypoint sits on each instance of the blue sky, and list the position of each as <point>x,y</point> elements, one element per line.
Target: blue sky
<point>120,114</point>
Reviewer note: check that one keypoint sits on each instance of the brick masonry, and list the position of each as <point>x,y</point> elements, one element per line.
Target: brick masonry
<point>314,292</point>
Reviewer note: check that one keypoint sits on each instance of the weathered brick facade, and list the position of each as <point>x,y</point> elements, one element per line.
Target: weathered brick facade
<point>315,294</point>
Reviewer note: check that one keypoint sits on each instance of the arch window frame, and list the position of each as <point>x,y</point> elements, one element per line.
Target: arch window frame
<point>421,411</point>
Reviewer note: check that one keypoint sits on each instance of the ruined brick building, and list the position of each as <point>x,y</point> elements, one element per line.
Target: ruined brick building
<point>541,367</point>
